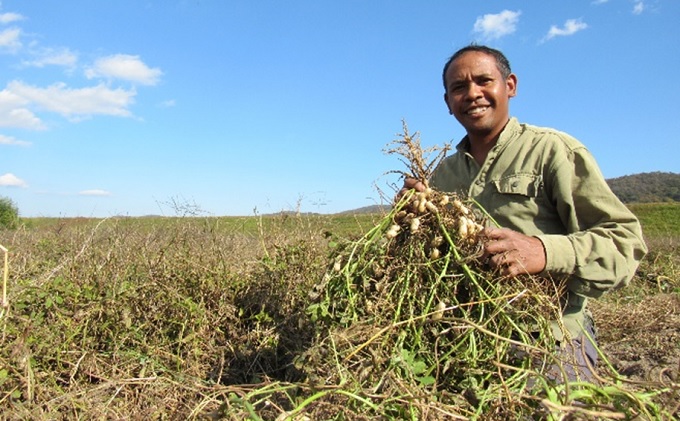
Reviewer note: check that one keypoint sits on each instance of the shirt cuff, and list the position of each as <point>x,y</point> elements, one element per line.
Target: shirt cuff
<point>560,258</point>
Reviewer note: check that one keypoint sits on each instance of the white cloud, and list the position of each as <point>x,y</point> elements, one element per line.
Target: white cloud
<point>168,104</point>
<point>20,118</point>
<point>600,1</point>
<point>9,39</point>
<point>570,27</point>
<point>638,8</point>
<point>498,25</point>
<point>6,18</point>
<point>22,104</point>
<point>75,103</point>
<point>13,112</point>
<point>53,57</point>
<point>11,180</point>
<point>94,192</point>
<point>9,140</point>
<point>125,67</point>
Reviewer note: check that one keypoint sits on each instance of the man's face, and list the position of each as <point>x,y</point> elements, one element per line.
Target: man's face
<point>478,95</point>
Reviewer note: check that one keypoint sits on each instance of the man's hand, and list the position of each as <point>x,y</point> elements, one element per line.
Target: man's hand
<point>513,253</point>
<point>410,183</point>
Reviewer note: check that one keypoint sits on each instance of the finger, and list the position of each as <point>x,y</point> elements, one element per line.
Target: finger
<point>497,247</point>
<point>496,264</point>
<point>403,192</point>
<point>513,270</point>
<point>498,260</point>
<point>494,233</point>
<point>412,183</point>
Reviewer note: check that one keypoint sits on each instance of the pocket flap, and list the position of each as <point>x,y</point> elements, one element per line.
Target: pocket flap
<point>522,184</point>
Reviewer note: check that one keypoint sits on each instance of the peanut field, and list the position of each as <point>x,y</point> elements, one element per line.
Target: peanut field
<point>209,318</point>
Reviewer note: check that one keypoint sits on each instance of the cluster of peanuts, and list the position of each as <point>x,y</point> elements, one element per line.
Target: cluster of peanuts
<point>423,206</point>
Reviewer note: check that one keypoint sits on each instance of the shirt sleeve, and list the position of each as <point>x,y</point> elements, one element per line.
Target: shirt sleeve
<point>604,243</point>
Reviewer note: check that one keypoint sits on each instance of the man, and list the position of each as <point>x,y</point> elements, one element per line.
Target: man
<point>544,188</point>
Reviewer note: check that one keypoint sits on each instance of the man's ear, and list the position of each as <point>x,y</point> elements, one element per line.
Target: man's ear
<point>511,85</point>
<point>446,100</point>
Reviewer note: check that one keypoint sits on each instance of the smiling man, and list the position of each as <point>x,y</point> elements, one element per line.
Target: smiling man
<point>558,216</point>
<point>478,85</point>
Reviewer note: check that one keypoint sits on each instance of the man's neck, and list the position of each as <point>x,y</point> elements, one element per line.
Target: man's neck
<point>480,147</point>
<point>482,143</point>
<point>479,153</point>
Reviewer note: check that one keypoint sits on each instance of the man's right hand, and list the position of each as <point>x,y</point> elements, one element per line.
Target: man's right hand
<point>410,183</point>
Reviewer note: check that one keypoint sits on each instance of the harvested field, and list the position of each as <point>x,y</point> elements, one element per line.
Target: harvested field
<point>204,318</point>
<point>311,317</point>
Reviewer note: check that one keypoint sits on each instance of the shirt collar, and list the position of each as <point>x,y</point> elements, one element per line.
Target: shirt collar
<point>510,128</point>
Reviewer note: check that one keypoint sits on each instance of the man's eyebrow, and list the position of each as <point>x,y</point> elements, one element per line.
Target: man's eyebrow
<point>456,81</point>
<point>464,80</point>
<point>484,74</point>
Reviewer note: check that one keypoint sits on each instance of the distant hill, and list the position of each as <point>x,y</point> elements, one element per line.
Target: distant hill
<point>367,209</point>
<point>648,187</point>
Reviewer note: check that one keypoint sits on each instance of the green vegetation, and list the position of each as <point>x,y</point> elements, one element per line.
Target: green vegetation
<point>197,318</point>
<point>9,213</point>
<point>659,219</point>
<point>650,187</point>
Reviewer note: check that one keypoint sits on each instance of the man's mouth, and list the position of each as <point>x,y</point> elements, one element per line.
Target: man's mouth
<point>476,111</point>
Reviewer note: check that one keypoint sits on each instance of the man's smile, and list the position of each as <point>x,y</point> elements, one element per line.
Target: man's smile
<point>475,111</point>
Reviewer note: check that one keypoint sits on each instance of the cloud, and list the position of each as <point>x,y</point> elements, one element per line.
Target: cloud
<point>94,192</point>
<point>125,67</point>
<point>571,26</point>
<point>638,8</point>
<point>53,57</point>
<point>9,140</point>
<point>71,103</point>
<point>600,1</point>
<point>498,25</point>
<point>22,104</point>
<point>168,104</point>
<point>6,18</point>
<point>9,39</point>
<point>13,112</point>
<point>11,180</point>
<point>20,118</point>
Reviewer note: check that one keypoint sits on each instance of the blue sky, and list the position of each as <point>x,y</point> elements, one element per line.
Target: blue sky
<point>241,107</point>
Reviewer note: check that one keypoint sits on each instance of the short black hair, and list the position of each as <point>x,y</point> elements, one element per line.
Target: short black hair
<point>501,61</point>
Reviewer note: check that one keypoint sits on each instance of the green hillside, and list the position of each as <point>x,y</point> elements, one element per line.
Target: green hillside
<point>647,187</point>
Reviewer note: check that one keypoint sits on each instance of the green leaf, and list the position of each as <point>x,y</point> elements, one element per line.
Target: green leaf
<point>426,381</point>
<point>418,367</point>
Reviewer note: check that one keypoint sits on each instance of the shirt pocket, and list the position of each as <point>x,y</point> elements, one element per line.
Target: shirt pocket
<point>527,185</point>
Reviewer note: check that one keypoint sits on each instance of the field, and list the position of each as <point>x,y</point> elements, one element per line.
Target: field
<point>207,318</point>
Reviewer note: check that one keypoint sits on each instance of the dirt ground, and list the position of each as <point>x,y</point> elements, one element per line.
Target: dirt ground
<point>640,337</point>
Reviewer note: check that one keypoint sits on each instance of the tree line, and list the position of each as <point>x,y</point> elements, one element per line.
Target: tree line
<point>648,187</point>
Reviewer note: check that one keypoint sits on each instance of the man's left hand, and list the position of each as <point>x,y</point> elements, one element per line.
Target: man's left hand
<point>513,253</point>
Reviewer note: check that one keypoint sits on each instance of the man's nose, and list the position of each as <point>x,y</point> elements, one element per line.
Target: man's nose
<point>473,91</point>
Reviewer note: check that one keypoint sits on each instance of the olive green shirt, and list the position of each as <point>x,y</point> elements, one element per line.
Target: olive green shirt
<point>546,184</point>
